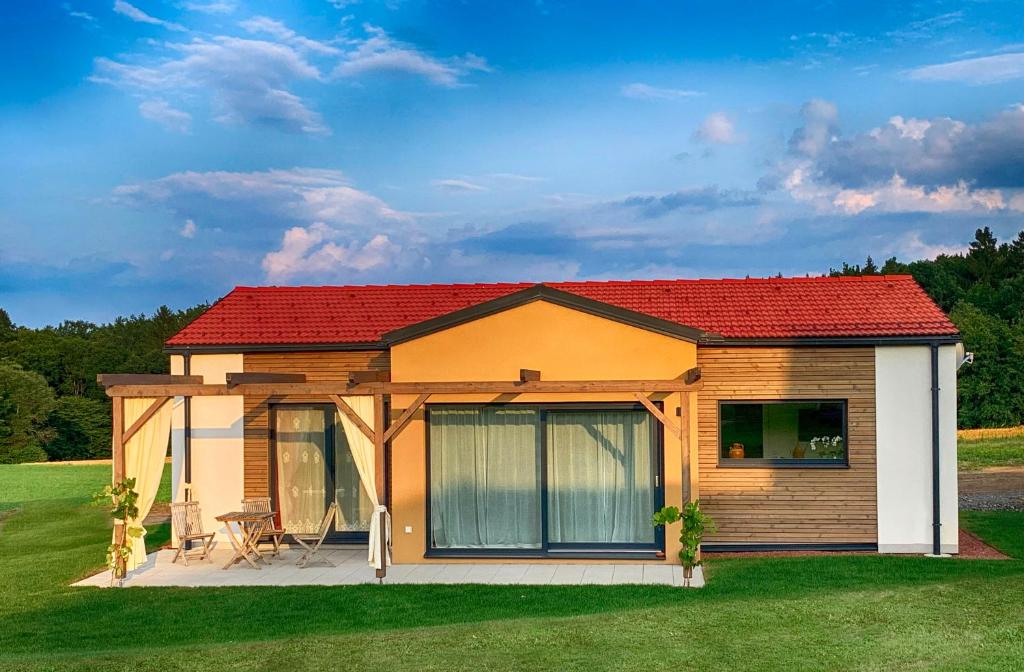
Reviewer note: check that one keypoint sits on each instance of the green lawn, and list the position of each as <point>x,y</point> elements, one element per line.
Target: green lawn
<point>977,454</point>
<point>855,612</point>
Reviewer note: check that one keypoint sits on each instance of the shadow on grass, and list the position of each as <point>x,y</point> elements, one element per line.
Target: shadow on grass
<point>41,613</point>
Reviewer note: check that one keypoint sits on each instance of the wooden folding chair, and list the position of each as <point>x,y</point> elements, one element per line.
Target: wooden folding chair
<point>311,542</point>
<point>187,520</point>
<point>272,534</point>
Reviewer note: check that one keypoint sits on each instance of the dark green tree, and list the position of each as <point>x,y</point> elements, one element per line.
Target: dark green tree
<point>81,429</point>
<point>25,404</point>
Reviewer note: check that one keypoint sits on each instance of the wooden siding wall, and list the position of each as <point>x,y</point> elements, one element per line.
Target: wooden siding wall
<point>319,366</point>
<point>787,505</point>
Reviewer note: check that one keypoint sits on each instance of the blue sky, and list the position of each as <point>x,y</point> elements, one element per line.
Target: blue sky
<point>163,151</point>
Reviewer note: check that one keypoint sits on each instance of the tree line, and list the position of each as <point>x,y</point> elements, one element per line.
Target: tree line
<point>52,409</point>
<point>50,405</point>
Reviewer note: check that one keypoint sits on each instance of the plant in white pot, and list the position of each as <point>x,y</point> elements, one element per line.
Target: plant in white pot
<point>695,524</point>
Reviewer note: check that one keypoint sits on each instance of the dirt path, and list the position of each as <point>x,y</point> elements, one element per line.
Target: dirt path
<point>992,489</point>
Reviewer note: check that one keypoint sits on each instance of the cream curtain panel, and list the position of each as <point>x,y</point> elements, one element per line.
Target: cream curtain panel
<point>144,457</point>
<point>600,477</point>
<point>363,454</point>
<point>300,467</point>
<point>485,478</point>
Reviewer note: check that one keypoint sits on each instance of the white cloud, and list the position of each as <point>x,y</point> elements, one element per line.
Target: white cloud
<point>717,129</point>
<point>642,91</point>
<point>78,14</point>
<point>379,52</point>
<point>898,196</point>
<point>188,230</point>
<point>247,80</point>
<point>139,16</point>
<point>276,29</point>
<point>515,177</point>
<point>320,251</point>
<point>457,185</point>
<point>211,7</point>
<point>169,117</point>
<point>296,194</point>
<point>982,70</point>
<point>820,126</point>
<point>911,246</point>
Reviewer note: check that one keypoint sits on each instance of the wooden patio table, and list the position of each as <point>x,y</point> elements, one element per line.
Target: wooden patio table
<point>251,525</point>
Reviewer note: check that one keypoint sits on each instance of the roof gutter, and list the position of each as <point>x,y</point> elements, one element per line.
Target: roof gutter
<point>708,340</point>
<point>187,356</point>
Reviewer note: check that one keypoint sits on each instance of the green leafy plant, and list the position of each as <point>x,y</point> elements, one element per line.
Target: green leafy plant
<point>695,524</point>
<point>123,501</point>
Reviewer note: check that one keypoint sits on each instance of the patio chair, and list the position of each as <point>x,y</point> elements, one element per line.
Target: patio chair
<point>272,534</point>
<point>187,521</point>
<point>311,542</point>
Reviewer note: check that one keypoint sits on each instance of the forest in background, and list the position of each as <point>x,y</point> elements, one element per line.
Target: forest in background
<point>52,409</point>
<point>50,405</point>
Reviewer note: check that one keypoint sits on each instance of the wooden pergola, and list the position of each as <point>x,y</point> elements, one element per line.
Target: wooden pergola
<point>163,388</point>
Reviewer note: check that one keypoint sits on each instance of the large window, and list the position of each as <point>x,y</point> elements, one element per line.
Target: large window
<point>786,433</point>
<point>536,480</point>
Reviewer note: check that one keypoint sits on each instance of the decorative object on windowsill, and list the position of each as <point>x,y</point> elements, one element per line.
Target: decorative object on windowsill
<point>737,451</point>
<point>695,524</point>
<point>122,499</point>
<point>799,450</point>
<point>828,447</point>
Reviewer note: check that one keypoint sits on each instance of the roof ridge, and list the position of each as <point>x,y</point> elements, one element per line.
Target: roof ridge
<point>556,283</point>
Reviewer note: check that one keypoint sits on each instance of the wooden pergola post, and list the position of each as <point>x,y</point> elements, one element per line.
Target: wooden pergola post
<point>117,455</point>
<point>379,427</point>
<point>689,472</point>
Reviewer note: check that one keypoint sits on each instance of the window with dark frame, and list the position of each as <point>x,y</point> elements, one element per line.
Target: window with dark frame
<point>794,433</point>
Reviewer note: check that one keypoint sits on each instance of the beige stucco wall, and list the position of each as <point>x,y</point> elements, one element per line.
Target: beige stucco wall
<point>563,344</point>
<point>217,442</point>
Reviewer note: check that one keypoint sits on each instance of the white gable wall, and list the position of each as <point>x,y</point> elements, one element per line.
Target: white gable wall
<point>904,433</point>
<point>217,442</point>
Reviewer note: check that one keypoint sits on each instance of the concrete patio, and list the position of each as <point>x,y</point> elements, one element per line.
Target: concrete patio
<point>351,568</point>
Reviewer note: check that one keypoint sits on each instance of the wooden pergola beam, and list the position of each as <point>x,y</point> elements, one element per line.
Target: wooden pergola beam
<point>529,375</point>
<point>441,387</point>
<point>109,379</point>
<point>261,378</point>
<point>360,377</point>
<point>146,415</point>
<point>399,424</point>
<point>656,412</point>
<point>351,414</point>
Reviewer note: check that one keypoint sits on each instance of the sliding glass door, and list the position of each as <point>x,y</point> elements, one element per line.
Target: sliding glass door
<point>312,466</point>
<point>484,478</point>
<point>601,478</point>
<point>515,479</point>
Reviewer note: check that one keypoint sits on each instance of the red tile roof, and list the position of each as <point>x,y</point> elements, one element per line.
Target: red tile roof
<point>823,307</point>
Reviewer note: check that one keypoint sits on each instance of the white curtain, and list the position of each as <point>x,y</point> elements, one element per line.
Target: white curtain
<point>364,457</point>
<point>301,471</point>
<point>600,484</point>
<point>484,478</point>
<point>144,457</point>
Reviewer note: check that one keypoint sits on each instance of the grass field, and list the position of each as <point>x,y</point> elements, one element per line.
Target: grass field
<point>853,612</point>
<point>973,454</point>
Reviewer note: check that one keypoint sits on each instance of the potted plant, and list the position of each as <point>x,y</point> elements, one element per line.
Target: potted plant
<point>737,451</point>
<point>695,524</point>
